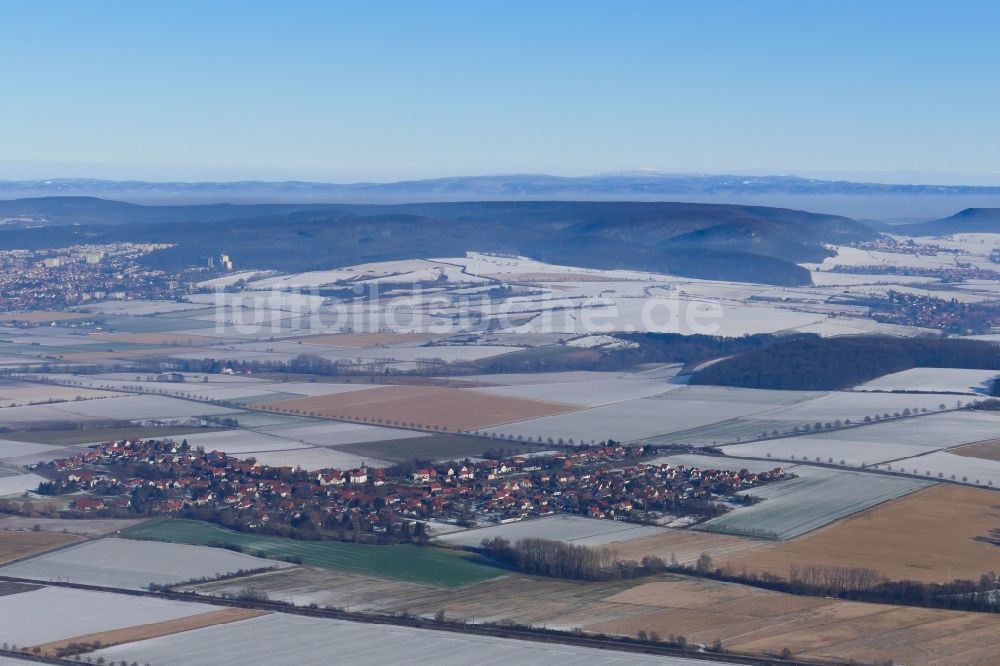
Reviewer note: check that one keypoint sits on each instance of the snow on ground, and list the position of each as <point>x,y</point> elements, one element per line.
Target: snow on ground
<point>521,379</point>
<point>817,498</point>
<point>138,307</point>
<point>124,408</point>
<point>878,442</point>
<point>317,458</point>
<point>944,380</point>
<point>337,434</point>
<point>278,638</point>
<point>129,564</point>
<point>674,411</point>
<point>945,465</point>
<point>857,405</point>
<point>587,393</point>
<point>53,613</point>
<point>11,450</point>
<point>578,530</point>
<point>16,484</point>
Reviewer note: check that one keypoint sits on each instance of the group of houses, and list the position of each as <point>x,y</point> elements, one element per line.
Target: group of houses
<point>163,477</point>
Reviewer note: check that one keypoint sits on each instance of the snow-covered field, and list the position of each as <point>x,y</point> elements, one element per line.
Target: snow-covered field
<point>588,393</point>
<point>673,411</point>
<point>316,458</point>
<point>122,408</point>
<point>878,442</point>
<point>278,638</point>
<point>15,484</point>
<point>945,465</point>
<point>138,307</point>
<point>54,613</point>
<point>24,453</point>
<point>129,564</point>
<point>278,442</point>
<point>818,497</point>
<point>23,393</point>
<point>578,530</point>
<point>943,380</point>
<point>337,434</point>
<point>857,405</point>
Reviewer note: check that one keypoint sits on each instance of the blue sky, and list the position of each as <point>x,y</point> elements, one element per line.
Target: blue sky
<point>883,90</point>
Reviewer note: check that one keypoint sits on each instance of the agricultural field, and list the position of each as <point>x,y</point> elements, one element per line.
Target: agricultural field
<point>818,497</point>
<point>13,393</point>
<point>314,458</point>
<point>878,442</point>
<point>702,610</point>
<point>146,631</point>
<point>988,450</point>
<point>933,380</point>
<point>686,546</point>
<point>50,614</point>
<point>133,407</point>
<point>282,438</point>
<point>423,407</point>
<point>39,317</point>
<point>280,638</point>
<point>651,418</point>
<point>577,530</point>
<point>407,563</point>
<point>586,393</point>
<point>74,526</point>
<point>438,446</point>
<point>16,484</point>
<point>856,405</point>
<point>367,340</point>
<point>15,544</point>
<point>946,465</point>
<point>130,564</point>
<point>531,378</point>
<point>339,434</point>
<point>893,538</point>
<point>751,620</point>
<point>76,436</point>
<point>158,339</point>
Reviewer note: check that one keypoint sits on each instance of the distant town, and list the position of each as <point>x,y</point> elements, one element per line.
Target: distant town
<point>398,504</point>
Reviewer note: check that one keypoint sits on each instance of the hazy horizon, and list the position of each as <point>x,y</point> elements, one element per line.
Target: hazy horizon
<point>347,92</point>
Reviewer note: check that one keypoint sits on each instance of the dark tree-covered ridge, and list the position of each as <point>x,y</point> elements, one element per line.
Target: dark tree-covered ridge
<point>826,364</point>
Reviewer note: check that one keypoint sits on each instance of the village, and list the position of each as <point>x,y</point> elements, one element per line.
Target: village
<point>398,504</point>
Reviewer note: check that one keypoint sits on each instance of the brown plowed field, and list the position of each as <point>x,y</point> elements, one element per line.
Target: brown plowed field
<point>422,407</point>
<point>934,535</point>
<point>989,450</point>
<point>14,545</point>
<point>143,631</point>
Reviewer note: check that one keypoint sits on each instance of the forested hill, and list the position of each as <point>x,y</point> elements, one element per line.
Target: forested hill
<point>968,221</point>
<point>710,241</point>
<point>826,364</point>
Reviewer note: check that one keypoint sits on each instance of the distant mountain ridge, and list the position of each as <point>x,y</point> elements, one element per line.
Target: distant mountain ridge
<point>711,241</point>
<point>628,185</point>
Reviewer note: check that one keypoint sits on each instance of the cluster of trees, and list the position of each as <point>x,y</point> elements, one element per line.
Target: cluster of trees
<point>541,557</point>
<point>825,364</point>
<point>835,578</point>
